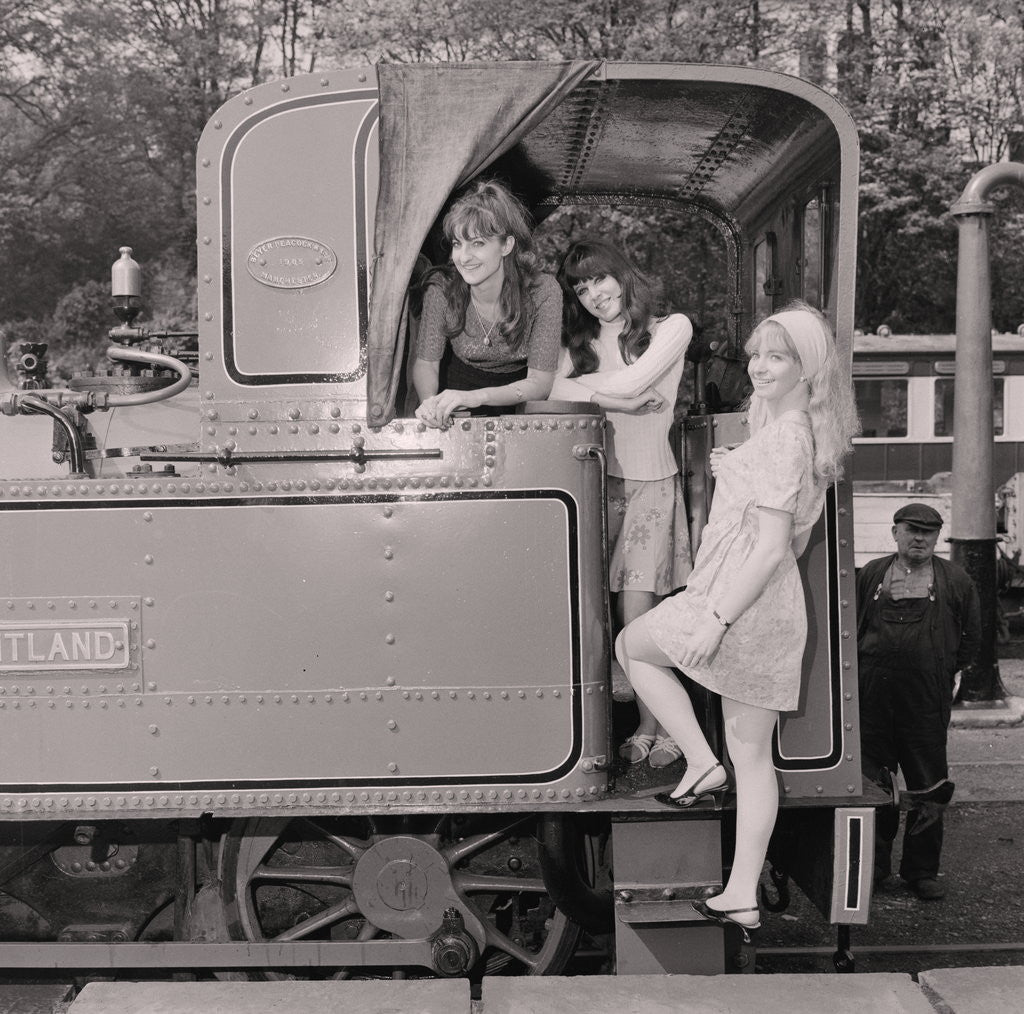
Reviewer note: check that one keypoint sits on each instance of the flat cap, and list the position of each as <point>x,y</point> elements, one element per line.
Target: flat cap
<point>920,515</point>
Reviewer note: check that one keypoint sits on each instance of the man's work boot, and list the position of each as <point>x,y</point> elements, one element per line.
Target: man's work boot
<point>928,889</point>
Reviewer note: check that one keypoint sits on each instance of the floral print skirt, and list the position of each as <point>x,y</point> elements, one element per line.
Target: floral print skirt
<point>648,535</point>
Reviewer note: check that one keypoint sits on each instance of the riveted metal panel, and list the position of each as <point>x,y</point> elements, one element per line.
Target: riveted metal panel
<point>660,867</point>
<point>359,649</point>
<point>287,182</point>
<point>852,865</point>
<point>415,633</point>
<point>817,746</point>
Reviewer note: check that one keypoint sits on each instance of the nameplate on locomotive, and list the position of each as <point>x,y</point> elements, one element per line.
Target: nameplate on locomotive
<point>291,262</point>
<point>96,645</point>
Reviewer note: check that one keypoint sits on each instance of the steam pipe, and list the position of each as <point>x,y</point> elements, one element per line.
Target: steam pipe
<point>973,525</point>
<point>75,444</point>
<point>118,353</point>
<point>57,396</point>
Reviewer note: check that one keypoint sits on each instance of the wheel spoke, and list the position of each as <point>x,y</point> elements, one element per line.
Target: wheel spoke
<point>477,883</point>
<point>328,916</point>
<point>368,932</point>
<point>340,876</point>
<point>497,939</point>
<point>355,847</point>
<point>459,851</point>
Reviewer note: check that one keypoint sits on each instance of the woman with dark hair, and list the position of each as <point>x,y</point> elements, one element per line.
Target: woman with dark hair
<point>500,316</point>
<point>623,355</point>
<point>740,626</point>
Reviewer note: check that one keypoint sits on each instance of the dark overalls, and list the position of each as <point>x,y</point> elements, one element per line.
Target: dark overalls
<point>906,693</point>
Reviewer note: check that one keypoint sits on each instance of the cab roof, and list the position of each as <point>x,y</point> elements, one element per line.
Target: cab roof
<point>721,138</point>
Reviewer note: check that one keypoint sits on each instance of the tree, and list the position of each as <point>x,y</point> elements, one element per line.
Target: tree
<point>101,106</point>
<point>456,30</point>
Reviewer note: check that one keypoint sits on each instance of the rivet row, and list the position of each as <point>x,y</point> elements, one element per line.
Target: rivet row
<point>263,800</point>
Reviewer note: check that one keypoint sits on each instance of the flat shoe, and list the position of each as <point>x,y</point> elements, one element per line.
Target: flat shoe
<point>724,917</point>
<point>667,750</point>
<point>639,742</point>
<point>694,795</point>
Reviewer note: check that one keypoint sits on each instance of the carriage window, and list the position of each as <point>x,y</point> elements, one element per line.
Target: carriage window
<point>766,288</point>
<point>882,405</point>
<point>811,260</point>
<point>944,407</point>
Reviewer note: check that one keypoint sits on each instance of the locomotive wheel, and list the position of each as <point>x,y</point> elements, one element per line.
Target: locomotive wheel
<point>297,879</point>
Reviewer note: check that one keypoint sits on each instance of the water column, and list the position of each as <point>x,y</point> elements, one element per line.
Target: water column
<point>973,535</point>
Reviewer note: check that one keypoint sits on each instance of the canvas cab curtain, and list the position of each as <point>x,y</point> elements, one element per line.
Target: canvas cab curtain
<point>440,125</point>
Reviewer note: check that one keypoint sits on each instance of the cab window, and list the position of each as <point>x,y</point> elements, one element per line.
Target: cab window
<point>811,259</point>
<point>766,286</point>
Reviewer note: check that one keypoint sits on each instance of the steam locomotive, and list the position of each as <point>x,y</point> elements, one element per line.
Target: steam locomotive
<point>291,682</point>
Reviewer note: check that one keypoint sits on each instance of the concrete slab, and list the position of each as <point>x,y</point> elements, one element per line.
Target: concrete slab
<point>32,998</point>
<point>370,997</point>
<point>986,764</point>
<point>704,994</point>
<point>1006,713</point>
<point>974,990</point>
<point>1009,713</point>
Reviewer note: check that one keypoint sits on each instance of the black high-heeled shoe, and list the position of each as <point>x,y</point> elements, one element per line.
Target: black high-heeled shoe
<point>724,917</point>
<point>694,795</point>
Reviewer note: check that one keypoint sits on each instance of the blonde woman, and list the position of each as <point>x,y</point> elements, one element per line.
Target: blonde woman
<point>740,625</point>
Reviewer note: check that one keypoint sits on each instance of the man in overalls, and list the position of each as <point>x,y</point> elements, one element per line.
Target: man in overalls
<point>918,625</point>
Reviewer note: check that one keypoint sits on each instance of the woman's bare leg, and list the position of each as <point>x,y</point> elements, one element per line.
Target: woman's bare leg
<point>649,670</point>
<point>633,605</point>
<point>748,735</point>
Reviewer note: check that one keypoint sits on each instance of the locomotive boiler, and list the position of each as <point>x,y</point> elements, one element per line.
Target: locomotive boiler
<point>291,682</point>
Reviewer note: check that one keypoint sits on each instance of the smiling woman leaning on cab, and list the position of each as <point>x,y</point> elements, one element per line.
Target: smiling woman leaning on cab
<point>497,311</point>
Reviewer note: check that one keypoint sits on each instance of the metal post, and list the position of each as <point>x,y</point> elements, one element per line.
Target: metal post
<point>973,535</point>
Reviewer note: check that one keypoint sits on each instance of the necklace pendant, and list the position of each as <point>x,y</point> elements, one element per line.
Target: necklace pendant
<point>485,327</point>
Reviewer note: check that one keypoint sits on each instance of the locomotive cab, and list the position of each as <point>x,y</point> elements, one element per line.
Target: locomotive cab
<point>365,663</point>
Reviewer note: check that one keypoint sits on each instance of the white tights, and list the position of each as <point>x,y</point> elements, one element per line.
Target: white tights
<point>748,738</point>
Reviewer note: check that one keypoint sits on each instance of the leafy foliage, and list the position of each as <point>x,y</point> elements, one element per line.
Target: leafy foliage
<point>101,106</point>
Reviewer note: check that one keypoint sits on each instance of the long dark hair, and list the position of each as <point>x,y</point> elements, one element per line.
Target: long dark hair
<point>641,302</point>
<point>487,208</point>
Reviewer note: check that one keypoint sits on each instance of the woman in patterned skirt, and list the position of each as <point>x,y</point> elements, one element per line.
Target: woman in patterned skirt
<point>624,356</point>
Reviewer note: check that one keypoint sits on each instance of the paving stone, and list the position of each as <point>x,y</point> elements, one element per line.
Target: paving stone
<point>974,990</point>
<point>706,994</point>
<point>290,997</point>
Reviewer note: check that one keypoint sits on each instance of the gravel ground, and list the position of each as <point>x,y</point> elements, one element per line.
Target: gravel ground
<point>984,874</point>
<point>983,870</point>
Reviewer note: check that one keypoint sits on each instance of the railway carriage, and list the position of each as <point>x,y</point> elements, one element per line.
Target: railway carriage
<point>282,667</point>
<point>904,387</point>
